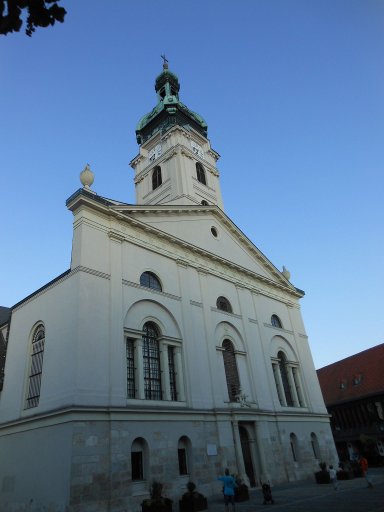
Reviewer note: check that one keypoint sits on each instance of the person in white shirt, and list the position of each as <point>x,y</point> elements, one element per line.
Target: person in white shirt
<point>333,477</point>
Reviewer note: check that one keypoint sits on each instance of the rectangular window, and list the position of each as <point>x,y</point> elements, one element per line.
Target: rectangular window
<point>182,454</point>
<point>131,388</point>
<point>137,465</point>
<point>172,372</point>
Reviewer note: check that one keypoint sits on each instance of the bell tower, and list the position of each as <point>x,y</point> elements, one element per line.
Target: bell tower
<point>176,164</point>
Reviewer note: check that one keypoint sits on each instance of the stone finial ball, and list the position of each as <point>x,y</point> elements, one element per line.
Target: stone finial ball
<point>87,177</point>
<point>286,273</point>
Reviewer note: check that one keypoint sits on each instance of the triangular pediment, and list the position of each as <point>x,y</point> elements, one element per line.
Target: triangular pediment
<point>206,230</point>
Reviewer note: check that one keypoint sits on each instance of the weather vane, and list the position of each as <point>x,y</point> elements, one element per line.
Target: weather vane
<point>165,63</point>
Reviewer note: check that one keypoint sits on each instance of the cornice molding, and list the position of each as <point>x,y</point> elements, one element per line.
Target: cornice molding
<point>150,290</point>
<point>233,315</point>
<point>115,236</point>
<point>56,282</point>
<point>277,329</point>
<point>195,303</point>
<point>40,292</point>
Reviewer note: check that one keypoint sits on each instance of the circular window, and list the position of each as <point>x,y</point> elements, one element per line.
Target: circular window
<point>214,231</point>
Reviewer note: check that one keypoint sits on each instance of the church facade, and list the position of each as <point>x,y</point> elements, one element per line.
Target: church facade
<point>171,349</point>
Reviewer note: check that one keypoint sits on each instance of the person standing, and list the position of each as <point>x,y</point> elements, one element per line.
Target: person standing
<point>363,463</point>
<point>228,489</point>
<point>333,477</point>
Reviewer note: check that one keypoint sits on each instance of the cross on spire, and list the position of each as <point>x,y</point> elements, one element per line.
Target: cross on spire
<point>165,63</point>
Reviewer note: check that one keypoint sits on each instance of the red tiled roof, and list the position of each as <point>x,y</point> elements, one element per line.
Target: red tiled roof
<point>355,377</point>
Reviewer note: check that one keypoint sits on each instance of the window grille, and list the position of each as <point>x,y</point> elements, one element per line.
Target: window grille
<point>36,369</point>
<point>172,372</point>
<point>284,378</point>
<point>151,363</point>
<point>150,280</point>
<point>131,389</point>
<point>231,373</point>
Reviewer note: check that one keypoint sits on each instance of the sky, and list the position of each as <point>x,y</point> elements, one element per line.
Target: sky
<point>293,95</point>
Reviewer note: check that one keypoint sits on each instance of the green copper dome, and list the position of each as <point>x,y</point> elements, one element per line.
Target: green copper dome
<point>169,111</point>
<point>167,76</point>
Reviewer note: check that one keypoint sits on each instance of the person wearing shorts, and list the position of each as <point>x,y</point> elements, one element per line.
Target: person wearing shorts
<point>229,486</point>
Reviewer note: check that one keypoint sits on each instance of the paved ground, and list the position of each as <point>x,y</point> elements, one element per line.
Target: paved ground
<point>352,496</point>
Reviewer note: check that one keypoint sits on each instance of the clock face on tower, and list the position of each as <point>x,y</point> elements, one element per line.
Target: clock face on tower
<point>197,149</point>
<point>155,152</point>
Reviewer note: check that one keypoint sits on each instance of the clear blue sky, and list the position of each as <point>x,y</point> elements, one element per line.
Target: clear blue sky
<point>293,94</point>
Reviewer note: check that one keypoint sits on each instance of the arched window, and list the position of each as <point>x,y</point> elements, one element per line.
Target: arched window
<point>139,459</point>
<point>150,280</point>
<point>315,446</point>
<point>156,177</point>
<point>276,322</point>
<point>284,377</point>
<point>231,373</point>
<point>183,454</point>
<point>204,202</point>
<point>36,368</point>
<point>224,304</point>
<point>288,381</point>
<point>294,447</point>
<point>153,366</point>
<point>200,173</point>
<point>151,362</point>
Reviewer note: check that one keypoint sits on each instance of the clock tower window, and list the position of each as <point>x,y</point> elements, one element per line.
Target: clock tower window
<point>156,177</point>
<point>200,173</point>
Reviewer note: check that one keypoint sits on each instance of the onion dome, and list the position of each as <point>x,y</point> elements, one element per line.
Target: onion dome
<point>169,111</point>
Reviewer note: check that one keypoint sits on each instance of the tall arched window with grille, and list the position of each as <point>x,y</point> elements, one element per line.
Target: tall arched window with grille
<point>36,368</point>
<point>231,373</point>
<point>284,377</point>
<point>151,362</point>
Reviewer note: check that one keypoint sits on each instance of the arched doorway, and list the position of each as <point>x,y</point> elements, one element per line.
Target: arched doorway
<point>247,457</point>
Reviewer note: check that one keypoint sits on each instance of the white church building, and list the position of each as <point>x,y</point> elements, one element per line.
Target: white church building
<point>171,349</point>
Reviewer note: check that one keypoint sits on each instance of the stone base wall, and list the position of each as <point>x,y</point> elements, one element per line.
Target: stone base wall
<point>84,465</point>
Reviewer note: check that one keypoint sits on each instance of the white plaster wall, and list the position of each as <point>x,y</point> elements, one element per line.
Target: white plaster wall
<point>57,309</point>
<point>85,322</point>
<point>196,230</point>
